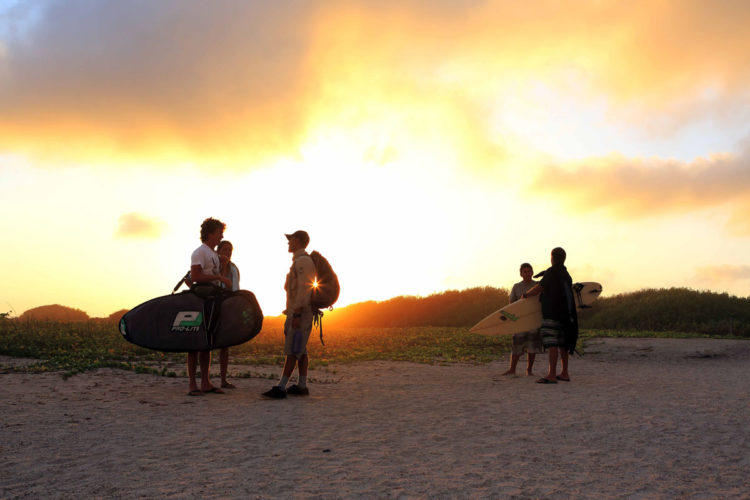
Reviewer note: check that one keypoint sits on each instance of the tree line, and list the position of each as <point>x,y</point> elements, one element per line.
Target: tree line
<point>672,309</point>
<point>664,309</point>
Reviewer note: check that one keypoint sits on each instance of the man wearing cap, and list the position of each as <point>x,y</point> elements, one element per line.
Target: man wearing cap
<point>299,317</point>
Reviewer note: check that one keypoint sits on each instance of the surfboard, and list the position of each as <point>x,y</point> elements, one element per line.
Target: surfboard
<point>526,314</point>
<point>200,319</point>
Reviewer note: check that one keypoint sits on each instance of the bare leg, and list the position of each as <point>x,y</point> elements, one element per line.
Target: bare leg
<point>289,364</point>
<point>204,359</point>
<point>551,375</point>
<point>192,364</point>
<point>530,357</point>
<point>223,367</point>
<point>513,362</point>
<point>302,365</point>
<point>564,362</point>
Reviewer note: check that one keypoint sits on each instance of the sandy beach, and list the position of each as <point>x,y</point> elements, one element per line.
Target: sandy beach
<point>641,418</point>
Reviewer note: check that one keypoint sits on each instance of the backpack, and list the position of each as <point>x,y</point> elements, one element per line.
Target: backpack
<point>326,289</point>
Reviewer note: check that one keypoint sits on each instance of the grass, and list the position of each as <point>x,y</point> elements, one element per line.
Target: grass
<point>72,348</point>
<point>80,346</point>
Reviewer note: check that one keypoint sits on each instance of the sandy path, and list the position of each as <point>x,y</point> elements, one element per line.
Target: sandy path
<point>657,418</point>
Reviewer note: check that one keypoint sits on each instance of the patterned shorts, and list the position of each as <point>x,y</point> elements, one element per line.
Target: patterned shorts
<point>553,333</point>
<point>531,342</point>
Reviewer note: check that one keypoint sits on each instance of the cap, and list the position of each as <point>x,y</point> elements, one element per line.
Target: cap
<point>301,235</point>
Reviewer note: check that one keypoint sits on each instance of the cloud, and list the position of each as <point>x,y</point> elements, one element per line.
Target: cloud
<point>134,225</point>
<point>237,83</point>
<point>724,276</point>
<point>635,188</point>
<point>168,79</point>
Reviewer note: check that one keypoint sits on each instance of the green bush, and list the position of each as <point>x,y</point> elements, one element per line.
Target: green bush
<point>673,309</point>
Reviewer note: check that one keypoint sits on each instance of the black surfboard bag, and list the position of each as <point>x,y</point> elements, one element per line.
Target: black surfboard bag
<point>200,319</point>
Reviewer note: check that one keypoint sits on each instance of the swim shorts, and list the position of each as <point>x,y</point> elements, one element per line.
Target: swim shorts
<point>553,333</point>
<point>531,342</point>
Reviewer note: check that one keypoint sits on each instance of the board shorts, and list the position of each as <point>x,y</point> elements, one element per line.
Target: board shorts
<point>531,342</point>
<point>553,333</point>
<point>295,341</point>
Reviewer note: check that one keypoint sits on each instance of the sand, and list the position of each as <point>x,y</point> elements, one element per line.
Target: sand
<point>642,418</point>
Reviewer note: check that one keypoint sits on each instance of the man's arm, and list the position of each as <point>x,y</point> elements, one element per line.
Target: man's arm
<point>536,290</point>
<point>198,276</point>
<point>305,270</point>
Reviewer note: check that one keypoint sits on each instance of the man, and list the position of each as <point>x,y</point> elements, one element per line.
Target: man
<point>299,317</point>
<point>205,268</point>
<point>559,319</point>
<point>530,341</point>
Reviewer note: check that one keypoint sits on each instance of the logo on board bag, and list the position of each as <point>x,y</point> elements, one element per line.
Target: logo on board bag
<point>187,321</point>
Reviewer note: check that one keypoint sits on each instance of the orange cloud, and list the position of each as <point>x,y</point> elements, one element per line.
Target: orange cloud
<point>723,276</point>
<point>134,225</point>
<point>633,188</point>
<point>235,83</point>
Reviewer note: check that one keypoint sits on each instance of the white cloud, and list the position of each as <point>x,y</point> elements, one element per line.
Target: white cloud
<point>134,225</point>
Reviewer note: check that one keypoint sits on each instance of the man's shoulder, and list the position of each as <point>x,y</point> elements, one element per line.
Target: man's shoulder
<point>305,257</point>
<point>304,262</point>
<point>198,251</point>
<point>202,249</point>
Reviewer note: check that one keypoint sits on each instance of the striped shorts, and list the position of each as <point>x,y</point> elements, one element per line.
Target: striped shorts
<point>530,342</point>
<point>553,333</point>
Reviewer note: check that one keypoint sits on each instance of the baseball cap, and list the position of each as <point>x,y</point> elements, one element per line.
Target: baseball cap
<point>301,235</point>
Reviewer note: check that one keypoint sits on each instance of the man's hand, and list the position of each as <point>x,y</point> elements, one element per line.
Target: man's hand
<point>296,318</point>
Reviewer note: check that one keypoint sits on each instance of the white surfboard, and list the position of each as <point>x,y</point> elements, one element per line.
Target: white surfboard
<point>526,314</point>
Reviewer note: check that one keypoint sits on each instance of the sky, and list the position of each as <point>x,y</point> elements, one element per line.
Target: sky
<point>424,145</point>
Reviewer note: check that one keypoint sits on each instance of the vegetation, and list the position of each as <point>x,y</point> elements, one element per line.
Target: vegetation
<point>662,310</point>
<point>55,312</point>
<point>451,308</point>
<point>424,330</point>
<point>74,347</point>
<point>673,309</point>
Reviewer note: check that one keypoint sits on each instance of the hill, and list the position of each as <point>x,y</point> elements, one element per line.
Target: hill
<point>672,309</point>
<point>115,316</point>
<point>55,312</point>
<point>450,308</point>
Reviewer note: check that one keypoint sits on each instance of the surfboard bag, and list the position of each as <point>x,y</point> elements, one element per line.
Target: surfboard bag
<point>200,319</point>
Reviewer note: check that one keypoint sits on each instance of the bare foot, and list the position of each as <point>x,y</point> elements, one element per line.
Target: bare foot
<point>228,385</point>
<point>509,372</point>
<point>529,373</point>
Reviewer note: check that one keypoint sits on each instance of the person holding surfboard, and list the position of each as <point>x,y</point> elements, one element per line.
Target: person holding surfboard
<point>559,329</point>
<point>205,267</point>
<point>228,269</point>
<point>299,317</point>
<point>530,341</point>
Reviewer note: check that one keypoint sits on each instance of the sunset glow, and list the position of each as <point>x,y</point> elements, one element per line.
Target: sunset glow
<point>424,146</point>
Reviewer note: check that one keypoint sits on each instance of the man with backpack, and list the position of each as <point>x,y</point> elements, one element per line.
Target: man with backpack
<point>299,317</point>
